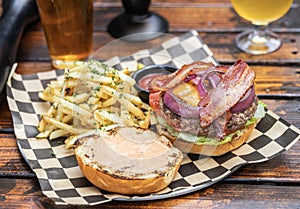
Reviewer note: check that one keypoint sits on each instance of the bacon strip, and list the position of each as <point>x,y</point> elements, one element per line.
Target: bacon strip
<point>234,84</point>
<point>166,82</point>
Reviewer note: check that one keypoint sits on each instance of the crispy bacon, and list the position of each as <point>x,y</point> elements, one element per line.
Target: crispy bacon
<point>234,84</point>
<point>218,99</point>
<point>166,82</point>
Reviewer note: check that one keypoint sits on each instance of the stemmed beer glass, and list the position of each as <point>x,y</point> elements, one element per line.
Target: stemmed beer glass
<point>260,13</point>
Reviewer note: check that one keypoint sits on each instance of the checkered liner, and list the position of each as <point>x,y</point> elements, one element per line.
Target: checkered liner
<point>57,170</point>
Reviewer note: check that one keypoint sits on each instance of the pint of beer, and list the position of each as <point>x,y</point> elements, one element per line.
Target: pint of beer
<point>68,28</point>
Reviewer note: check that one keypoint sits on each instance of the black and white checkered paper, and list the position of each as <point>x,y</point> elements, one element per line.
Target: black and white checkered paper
<point>57,170</point>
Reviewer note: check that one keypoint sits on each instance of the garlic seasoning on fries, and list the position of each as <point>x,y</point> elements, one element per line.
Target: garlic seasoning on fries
<point>92,95</point>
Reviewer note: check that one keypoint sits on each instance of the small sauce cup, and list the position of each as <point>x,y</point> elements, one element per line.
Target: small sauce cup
<point>144,76</point>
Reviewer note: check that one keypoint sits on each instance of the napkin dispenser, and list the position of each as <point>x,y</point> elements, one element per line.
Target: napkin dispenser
<point>17,14</point>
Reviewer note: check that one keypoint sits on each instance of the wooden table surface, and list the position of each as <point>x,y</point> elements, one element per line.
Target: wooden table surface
<point>271,184</point>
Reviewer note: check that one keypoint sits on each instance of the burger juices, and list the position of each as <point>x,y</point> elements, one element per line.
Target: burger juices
<point>202,104</point>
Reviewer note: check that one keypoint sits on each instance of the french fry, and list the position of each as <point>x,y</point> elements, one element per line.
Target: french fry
<point>67,118</point>
<point>126,116</point>
<point>85,106</point>
<point>109,116</point>
<point>64,126</point>
<point>127,103</point>
<point>125,71</point>
<point>78,98</point>
<point>126,78</point>
<point>91,77</point>
<point>58,133</point>
<point>146,122</point>
<point>109,102</point>
<point>91,96</point>
<point>42,125</point>
<point>134,99</point>
<point>46,133</point>
<point>70,141</point>
<point>76,109</point>
<point>92,100</point>
<point>56,84</point>
<point>102,95</point>
<point>60,125</point>
<point>131,108</point>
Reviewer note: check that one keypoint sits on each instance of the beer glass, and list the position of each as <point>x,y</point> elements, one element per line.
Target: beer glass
<point>260,13</point>
<point>68,28</point>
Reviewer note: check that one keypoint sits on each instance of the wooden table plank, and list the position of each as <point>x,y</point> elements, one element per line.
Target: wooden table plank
<point>225,49</point>
<point>287,109</point>
<point>33,48</point>
<point>25,193</point>
<point>12,163</point>
<point>160,3</point>
<point>203,17</point>
<point>271,184</point>
<point>6,120</point>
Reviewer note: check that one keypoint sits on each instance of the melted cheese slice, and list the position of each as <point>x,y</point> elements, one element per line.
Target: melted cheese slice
<point>188,93</point>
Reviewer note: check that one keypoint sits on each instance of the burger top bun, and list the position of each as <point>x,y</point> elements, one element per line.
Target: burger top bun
<point>128,160</point>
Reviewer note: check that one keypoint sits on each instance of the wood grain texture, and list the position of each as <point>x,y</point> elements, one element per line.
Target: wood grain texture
<point>271,184</point>
<point>11,162</point>
<point>25,193</point>
<point>6,124</point>
<point>33,48</point>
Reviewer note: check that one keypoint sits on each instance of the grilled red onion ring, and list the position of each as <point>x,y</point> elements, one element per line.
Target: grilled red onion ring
<point>234,84</point>
<point>223,90</point>
<point>245,102</point>
<point>180,107</point>
<point>212,77</point>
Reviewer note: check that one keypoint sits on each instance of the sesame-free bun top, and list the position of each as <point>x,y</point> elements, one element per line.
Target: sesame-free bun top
<point>128,160</point>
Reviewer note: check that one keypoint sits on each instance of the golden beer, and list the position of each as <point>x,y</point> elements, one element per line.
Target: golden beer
<point>68,27</point>
<point>261,12</point>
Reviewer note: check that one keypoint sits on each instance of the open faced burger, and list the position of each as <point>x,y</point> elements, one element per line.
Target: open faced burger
<point>128,160</point>
<point>206,109</point>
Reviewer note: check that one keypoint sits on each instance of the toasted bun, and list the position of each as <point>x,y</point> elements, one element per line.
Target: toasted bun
<point>128,160</point>
<point>210,150</point>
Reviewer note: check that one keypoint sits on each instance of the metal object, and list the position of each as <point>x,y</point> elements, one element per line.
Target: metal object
<point>17,14</point>
<point>138,20</point>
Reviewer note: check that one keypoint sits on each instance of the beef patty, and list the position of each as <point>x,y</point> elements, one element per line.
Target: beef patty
<point>191,125</point>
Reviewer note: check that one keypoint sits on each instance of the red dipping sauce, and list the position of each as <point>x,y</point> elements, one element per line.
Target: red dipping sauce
<point>146,81</point>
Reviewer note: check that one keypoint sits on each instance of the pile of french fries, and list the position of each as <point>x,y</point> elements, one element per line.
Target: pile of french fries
<point>91,96</point>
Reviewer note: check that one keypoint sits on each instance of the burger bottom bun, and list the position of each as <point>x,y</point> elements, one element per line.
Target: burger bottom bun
<point>209,150</point>
<point>126,186</point>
